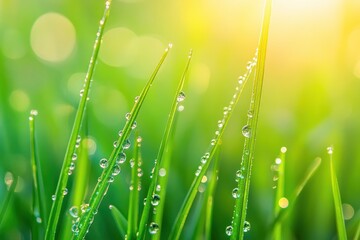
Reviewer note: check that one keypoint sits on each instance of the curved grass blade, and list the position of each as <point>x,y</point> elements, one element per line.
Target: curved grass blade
<point>161,161</point>
<point>107,175</point>
<point>340,223</point>
<point>120,220</point>
<point>209,155</point>
<point>249,132</point>
<point>133,214</point>
<point>63,178</point>
<point>11,182</point>
<point>280,201</point>
<point>291,202</point>
<point>39,208</point>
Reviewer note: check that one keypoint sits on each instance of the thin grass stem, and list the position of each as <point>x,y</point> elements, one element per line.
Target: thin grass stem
<point>39,202</point>
<point>11,182</point>
<point>133,214</point>
<point>120,220</point>
<point>61,188</point>
<point>169,129</point>
<point>340,223</point>
<point>249,131</point>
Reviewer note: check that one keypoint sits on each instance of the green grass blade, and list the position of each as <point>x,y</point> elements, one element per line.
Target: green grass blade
<point>210,192</point>
<point>340,223</point>
<point>11,183</point>
<point>63,178</point>
<point>169,129</point>
<point>120,220</point>
<point>291,202</point>
<point>279,177</point>
<point>209,155</point>
<point>39,207</point>
<point>103,184</point>
<point>357,234</point>
<point>249,131</point>
<point>133,214</point>
<point>80,185</point>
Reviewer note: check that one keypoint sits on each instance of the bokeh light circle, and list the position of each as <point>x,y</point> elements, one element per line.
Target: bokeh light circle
<point>53,37</point>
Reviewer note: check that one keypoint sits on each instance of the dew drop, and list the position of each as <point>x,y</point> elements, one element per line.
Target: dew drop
<point>111,179</point>
<point>126,144</point>
<point>132,163</point>
<point>220,123</point>
<point>181,97</point>
<point>140,172</point>
<point>250,114</point>
<point>85,207</point>
<point>239,175</point>
<point>162,172</point>
<point>65,191</point>
<point>74,157</point>
<point>34,112</point>
<point>137,99</point>
<point>115,144</point>
<point>235,193</point>
<point>81,92</point>
<point>75,228</point>
<point>153,228</point>
<point>246,131</point>
<point>197,172</point>
<point>277,161</point>
<point>121,158</point>
<point>283,149</point>
<point>247,226</point>
<point>120,133</point>
<point>133,126</point>
<point>116,170</point>
<point>155,200</point>
<point>128,116</point>
<point>158,188</point>
<point>203,159</point>
<point>229,230</point>
<point>72,166</point>
<point>74,211</point>
<point>213,141</point>
<point>53,197</point>
<point>104,163</point>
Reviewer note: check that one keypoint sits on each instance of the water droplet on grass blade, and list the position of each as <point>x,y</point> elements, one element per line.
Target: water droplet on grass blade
<point>330,150</point>
<point>153,228</point>
<point>74,211</point>
<point>116,170</point>
<point>235,193</point>
<point>181,97</point>
<point>126,144</point>
<point>128,116</point>
<point>53,197</point>
<point>246,131</point>
<point>121,158</point>
<point>247,226</point>
<point>74,157</point>
<point>181,108</point>
<point>104,163</point>
<point>229,230</point>
<point>65,191</point>
<point>155,200</point>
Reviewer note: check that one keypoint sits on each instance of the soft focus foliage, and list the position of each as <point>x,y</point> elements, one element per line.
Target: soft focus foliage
<point>310,101</point>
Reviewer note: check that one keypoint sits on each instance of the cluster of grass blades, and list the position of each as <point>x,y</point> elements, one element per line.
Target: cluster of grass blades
<point>140,226</point>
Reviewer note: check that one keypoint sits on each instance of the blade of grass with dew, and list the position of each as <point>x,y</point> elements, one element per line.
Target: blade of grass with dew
<point>39,208</point>
<point>241,193</point>
<point>11,184</point>
<point>208,156</point>
<point>291,202</point>
<point>135,186</point>
<point>110,165</point>
<point>80,185</point>
<point>120,220</point>
<point>278,169</point>
<point>179,97</point>
<point>210,192</point>
<point>339,216</point>
<point>61,189</point>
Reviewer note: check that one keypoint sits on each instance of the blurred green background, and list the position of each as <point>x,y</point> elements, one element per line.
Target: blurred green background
<point>310,100</point>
